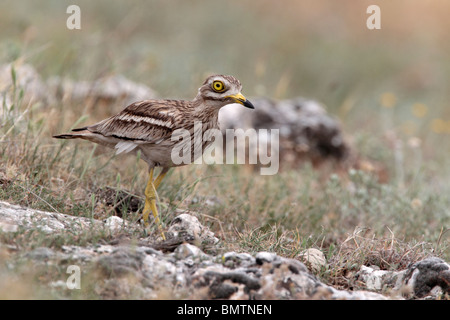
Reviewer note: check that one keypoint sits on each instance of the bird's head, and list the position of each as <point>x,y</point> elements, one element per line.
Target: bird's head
<point>220,90</point>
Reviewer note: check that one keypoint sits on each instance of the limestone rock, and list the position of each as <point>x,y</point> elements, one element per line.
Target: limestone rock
<point>419,279</point>
<point>313,258</point>
<point>27,79</point>
<point>306,131</point>
<point>112,90</point>
<point>47,222</point>
<point>186,225</point>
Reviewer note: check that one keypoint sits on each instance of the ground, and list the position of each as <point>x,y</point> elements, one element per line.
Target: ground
<point>392,102</point>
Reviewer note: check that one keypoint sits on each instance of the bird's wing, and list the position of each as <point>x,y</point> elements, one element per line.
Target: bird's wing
<point>148,121</point>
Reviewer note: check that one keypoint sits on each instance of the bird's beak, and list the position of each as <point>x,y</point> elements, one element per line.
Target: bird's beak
<point>239,98</point>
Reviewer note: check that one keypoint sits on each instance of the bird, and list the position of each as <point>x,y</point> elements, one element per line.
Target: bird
<point>151,127</point>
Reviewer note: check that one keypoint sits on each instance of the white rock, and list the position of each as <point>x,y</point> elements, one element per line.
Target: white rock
<point>373,278</point>
<point>265,257</point>
<point>186,250</point>
<point>115,223</point>
<point>186,224</point>
<point>313,258</point>
<point>8,227</point>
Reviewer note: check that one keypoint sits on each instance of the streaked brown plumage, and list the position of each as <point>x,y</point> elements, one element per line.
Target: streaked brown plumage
<point>148,125</point>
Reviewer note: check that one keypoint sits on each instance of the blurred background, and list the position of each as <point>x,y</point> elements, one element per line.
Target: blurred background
<point>317,49</point>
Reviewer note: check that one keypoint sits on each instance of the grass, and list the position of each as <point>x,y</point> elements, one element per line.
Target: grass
<point>392,101</point>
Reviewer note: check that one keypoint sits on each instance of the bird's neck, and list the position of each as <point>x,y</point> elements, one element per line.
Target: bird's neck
<point>205,110</point>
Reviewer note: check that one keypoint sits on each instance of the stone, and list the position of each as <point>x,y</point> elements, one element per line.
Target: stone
<point>265,257</point>
<point>113,90</point>
<point>306,131</point>
<point>47,222</point>
<point>187,250</point>
<point>41,253</point>
<point>234,260</point>
<point>122,261</point>
<point>8,227</point>
<point>188,225</point>
<point>27,79</point>
<point>420,279</point>
<point>425,275</point>
<point>377,280</point>
<point>313,258</point>
<point>115,223</point>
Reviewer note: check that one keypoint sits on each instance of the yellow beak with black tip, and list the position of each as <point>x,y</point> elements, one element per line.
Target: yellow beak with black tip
<point>239,98</point>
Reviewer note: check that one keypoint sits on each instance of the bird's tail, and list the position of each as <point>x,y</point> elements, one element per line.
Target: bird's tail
<point>71,135</point>
<point>66,136</point>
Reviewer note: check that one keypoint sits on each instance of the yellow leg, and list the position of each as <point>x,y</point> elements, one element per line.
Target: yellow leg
<point>147,208</point>
<point>150,203</point>
<point>160,177</point>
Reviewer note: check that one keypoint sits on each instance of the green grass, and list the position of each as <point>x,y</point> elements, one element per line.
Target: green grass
<point>349,214</point>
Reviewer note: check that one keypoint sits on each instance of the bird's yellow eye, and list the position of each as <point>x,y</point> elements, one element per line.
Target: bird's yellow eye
<point>218,86</point>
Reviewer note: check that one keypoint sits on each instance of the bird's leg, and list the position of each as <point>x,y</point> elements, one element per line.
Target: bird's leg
<point>150,203</point>
<point>147,207</point>
<point>160,177</point>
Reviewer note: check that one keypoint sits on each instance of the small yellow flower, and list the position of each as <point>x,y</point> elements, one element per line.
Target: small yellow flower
<point>388,100</point>
<point>447,127</point>
<point>438,126</point>
<point>419,110</point>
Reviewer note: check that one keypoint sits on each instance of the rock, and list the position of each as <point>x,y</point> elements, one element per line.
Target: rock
<point>379,280</point>
<point>234,260</point>
<point>83,254</point>
<point>115,223</point>
<point>27,79</point>
<point>306,131</point>
<point>313,258</point>
<point>186,225</point>
<point>265,257</point>
<point>122,261</point>
<point>41,253</point>
<point>187,250</point>
<point>295,266</point>
<point>425,275</point>
<point>47,222</point>
<point>270,277</point>
<point>160,271</point>
<point>8,227</point>
<point>419,279</point>
<point>113,90</point>
<point>13,217</point>
<point>223,284</point>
